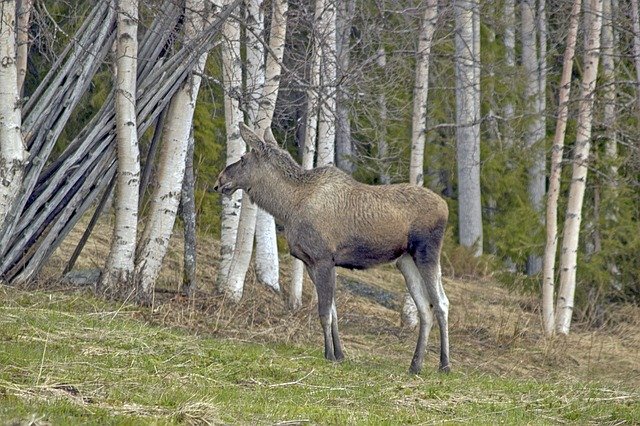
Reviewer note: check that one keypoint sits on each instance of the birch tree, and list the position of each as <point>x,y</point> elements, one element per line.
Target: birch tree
<point>509,40</point>
<point>419,122</point>
<point>266,258</point>
<point>22,40</point>
<point>326,17</point>
<point>635,17</point>
<point>175,135</point>
<point>117,277</point>
<point>233,283</point>
<point>568,264</point>
<point>467,61</point>
<point>344,148</point>
<point>231,206</point>
<point>548,276</point>
<point>12,150</point>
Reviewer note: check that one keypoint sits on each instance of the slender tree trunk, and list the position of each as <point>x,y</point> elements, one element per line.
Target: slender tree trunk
<point>188,210</point>
<point>13,154</point>
<point>266,258</point>
<point>509,39</point>
<point>568,264</point>
<point>534,137</point>
<point>548,279</point>
<point>231,206</point>
<point>468,124</point>
<point>419,123</point>
<point>117,279</point>
<point>383,146</point>
<point>344,148</point>
<point>166,196</point>
<point>326,17</point>
<point>22,40</point>
<point>609,89</point>
<point>635,16</point>
<point>234,282</point>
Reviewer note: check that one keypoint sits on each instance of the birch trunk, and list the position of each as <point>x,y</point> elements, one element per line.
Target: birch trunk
<point>344,148</point>
<point>13,154</point>
<point>383,146</point>
<point>534,136</point>
<point>548,278</point>
<point>326,17</point>
<point>166,196</point>
<point>568,265</point>
<point>233,283</point>
<point>509,39</point>
<point>22,40</point>
<point>231,206</point>
<point>266,258</point>
<point>188,210</point>
<point>635,16</point>
<point>609,89</point>
<point>117,279</point>
<point>468,124</point>
<point>419,123</point>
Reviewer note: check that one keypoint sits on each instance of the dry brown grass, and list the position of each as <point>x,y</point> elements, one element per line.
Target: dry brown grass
<point>493,330</point>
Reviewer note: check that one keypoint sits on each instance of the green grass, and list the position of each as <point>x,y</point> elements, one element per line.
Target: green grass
<point>69,358</point>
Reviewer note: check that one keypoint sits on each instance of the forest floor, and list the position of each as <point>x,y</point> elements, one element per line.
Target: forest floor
<point>67,357</point>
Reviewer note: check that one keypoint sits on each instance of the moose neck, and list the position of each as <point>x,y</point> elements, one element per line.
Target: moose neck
<point>276,193</point>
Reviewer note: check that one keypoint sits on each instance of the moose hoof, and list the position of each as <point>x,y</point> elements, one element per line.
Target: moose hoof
<point>445,369</point>
<point>415,370</point>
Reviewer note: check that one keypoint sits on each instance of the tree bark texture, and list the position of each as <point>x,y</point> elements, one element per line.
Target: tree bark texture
<point>326,18</point>
<point>548,277</point>
<point>468,123</point>
<point>344,146</point>
<point>117,278</point>
<point>188,213</point>
<point>22,40</point>
<point>569,254</point>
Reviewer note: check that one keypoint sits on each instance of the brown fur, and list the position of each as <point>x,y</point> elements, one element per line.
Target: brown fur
<point>330,220</point>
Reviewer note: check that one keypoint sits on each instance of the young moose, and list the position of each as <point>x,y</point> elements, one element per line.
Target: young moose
<point>331,220</point>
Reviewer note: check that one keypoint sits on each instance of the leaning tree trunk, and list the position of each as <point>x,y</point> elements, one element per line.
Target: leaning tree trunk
<point>568,259</point>
<point>166,196</point>
<point>548,278</point>
<point>188,213</point>
<point>468,124</point>
<point>266,258</point>
<point>117,278</point>
<point>419,123</point>
<point>12,151</point>
<point>232,79</point>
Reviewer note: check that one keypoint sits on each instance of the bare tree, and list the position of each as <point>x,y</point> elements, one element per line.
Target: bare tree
<point>344,147</point>
<point>548,278</point>
<point>573,217</point>
<point>326,18</point>
<point>467,44</point>
<point>12,150</point>
<point>117,277</point>
<point>166,195</point>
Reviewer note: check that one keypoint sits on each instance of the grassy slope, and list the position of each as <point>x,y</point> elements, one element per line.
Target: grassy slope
<point>67,357</point>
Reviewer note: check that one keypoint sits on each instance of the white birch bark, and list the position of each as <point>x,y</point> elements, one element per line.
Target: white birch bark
<point>509,39</point>
<point>568,259</point>
<point>326,17</point>
<point>117,277</point>
<point>551,246</point>
<point>166,196</point>
<point>419,123</point>
<point>468,124</point>
<point>609,89</point>
<point>22,40</point>
<point>233,283</point>
<point>13,154</point>
<point>383,146</point>
<point>266,258</point>
<point>231,206</point>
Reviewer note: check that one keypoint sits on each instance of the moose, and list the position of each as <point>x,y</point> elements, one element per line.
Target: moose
<point>330,219</point>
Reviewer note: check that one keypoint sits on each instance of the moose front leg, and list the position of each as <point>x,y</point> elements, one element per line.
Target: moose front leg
<point>324,278</point>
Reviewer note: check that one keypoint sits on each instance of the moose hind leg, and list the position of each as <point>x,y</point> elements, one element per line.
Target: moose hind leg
<point>432,277</point>
<point>324,279</point>
<point>409,270</point>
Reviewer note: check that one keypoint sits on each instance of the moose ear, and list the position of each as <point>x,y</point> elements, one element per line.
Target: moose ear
<point>269,138</point>
<point>253,140</point>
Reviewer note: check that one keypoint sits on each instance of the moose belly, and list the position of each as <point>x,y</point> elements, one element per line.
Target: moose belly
<point>362,254</point>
